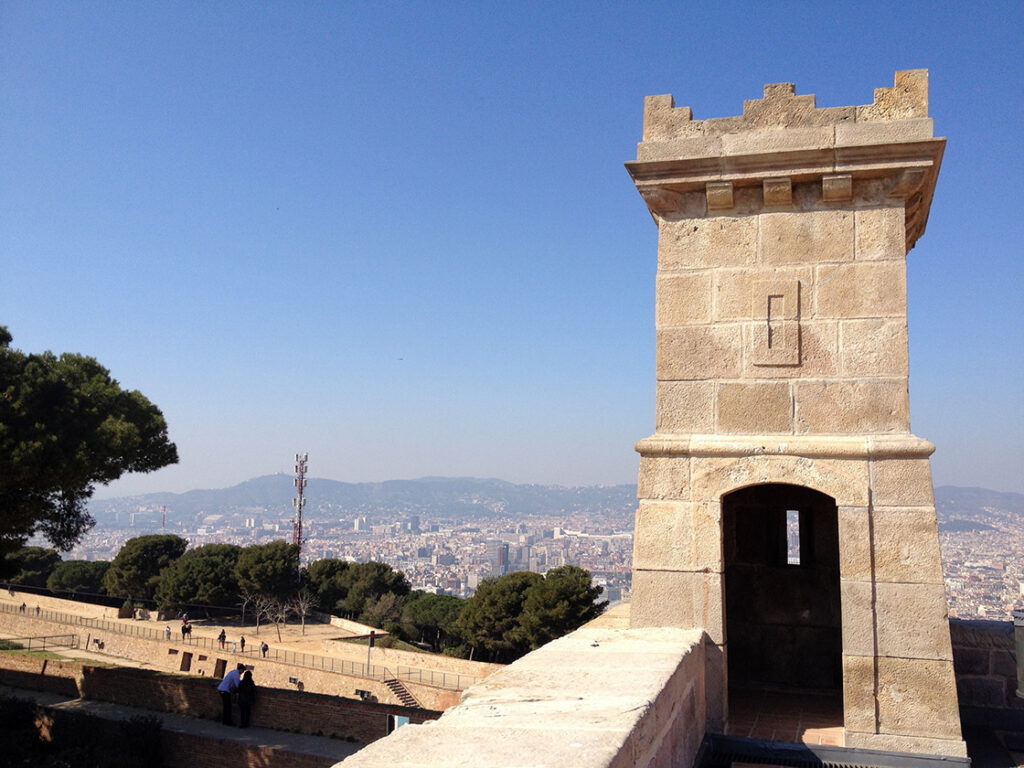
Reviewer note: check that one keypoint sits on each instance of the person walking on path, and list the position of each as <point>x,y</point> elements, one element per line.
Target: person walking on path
<point>167,632</point>
<point>234,646</point>
<point>228,686</point>
<point>246,699</point>
<point>184,630</point>
<point>241,642</point>
<point>264,648</point>
<point>223,636</point>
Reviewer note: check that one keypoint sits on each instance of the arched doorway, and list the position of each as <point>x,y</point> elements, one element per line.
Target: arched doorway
<point>783,620</point>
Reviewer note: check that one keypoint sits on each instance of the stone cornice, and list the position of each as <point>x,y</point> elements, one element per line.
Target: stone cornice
<point>784,139</point>
<point>812,447</point>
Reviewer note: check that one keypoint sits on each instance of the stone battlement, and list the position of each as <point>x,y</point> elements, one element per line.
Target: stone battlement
<point>785,154</point>
<point>781,107</point>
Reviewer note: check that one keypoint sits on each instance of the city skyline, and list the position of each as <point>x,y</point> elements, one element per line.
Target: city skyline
<point>402,239</point>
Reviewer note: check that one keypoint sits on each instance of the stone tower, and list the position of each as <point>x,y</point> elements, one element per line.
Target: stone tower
<point>785,506</point>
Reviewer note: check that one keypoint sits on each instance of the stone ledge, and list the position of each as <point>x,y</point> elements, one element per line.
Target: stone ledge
<point>597,697</point>
<point>808,446</point>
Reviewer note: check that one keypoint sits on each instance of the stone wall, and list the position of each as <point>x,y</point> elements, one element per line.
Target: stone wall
<point>456,672</point>
<point>597,698</point>
<point>169,655</point>
<point>985,660</point>
<point>309,713</point>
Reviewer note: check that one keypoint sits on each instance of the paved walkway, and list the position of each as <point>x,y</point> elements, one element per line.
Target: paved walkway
<point>319,746</point>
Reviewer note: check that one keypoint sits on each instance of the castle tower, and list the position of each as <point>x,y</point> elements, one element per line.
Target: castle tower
<point>785,506</point>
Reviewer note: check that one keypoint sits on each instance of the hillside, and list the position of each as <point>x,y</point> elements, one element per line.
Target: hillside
<point>465,497</point>
<point>958,509</point>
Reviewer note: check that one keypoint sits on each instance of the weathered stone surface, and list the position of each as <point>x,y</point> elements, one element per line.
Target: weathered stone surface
<point>858,618</point>
<point>664,477</point>
<point>855,550</point>
<point>861,289</point>
<point>880,233</point>
<point>716,685</point>
<point>917,698</point>
<point>906,100</point>
<point>683,299</point>
<point>915,744</point>
<point>774,139</point>
<point>836,187</point>
<point>857,134</point>
<point>685,406</point>
<point>859,406</point>
<point>874,347</point>
<point>806,237</point>
<point>845,481</point>
<point>678,535</point>
<point>858,693</point>
<point>619,693</point>
<point>712,242</point>
<point>735,296</point>
<point>699,352</point>
<point>679,599</point>
<point>902,483</point>
<point>906,546</point>
<point>818,342</point>
<point>778,191</point>
<point>910,619</point>
<point>755,408</point>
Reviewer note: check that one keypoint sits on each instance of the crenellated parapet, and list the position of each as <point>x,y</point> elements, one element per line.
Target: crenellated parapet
<point>784,152</point>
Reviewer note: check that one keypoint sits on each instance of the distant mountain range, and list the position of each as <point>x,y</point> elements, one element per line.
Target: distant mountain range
<point>974,509</point>
<point>957,508</point>
<point>451,496</point>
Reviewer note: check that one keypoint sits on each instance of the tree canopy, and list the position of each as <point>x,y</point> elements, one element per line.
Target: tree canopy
<point>490,620</point>
<point>367,583</point>
<point>326,580</point>
<point>78,576</point>
<point>514,614</point>
<point>136,569</point>
<point>431,618</point>
<point>269,569</point>
<point>564,601</point>
<point>202,576</point>
<point>66,425</point>
<point>30,566</point>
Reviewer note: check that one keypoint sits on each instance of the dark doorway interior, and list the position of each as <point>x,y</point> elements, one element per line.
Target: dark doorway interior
<point>783,622</point>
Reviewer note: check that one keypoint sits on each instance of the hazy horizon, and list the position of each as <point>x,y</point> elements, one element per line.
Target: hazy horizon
<point>105,497</point>
<point>401,237</point>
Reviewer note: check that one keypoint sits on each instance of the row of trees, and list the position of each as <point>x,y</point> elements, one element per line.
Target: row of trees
<point>505,618</point>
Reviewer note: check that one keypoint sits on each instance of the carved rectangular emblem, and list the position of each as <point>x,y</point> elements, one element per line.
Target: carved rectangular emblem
<point>775,337</point>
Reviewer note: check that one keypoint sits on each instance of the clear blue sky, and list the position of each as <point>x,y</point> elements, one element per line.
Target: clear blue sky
<point>399,236</point>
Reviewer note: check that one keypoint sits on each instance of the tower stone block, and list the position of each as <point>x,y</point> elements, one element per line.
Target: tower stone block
<point>785,507</point>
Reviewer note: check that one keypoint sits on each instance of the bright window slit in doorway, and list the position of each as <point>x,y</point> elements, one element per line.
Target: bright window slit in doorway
<point>792,537</point>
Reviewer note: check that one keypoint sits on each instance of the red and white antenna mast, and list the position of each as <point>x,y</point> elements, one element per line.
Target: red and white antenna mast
<point>298,502</point>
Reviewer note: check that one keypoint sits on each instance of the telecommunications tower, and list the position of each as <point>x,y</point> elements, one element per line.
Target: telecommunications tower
<point>298,502</point>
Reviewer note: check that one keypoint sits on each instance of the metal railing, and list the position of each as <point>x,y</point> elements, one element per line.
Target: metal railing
<point>38,643</point>
<point>434,678</point>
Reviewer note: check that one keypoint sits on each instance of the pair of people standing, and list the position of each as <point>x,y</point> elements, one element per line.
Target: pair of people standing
<point>238,680</point>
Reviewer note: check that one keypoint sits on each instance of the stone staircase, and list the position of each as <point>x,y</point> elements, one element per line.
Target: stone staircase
<point>401,692</point>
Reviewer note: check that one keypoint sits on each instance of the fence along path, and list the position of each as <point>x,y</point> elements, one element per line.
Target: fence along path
<point>448,680</point>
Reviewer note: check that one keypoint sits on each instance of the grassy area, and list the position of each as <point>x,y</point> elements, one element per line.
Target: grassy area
<point>5,648</point>
<point>388,641</point>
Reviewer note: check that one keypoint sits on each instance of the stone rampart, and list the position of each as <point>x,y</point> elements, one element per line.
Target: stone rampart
<point>309,713</point>
<point>613,698</point>
<point>139,642</point>
<point>456,673</point>
<point>985,661</point>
